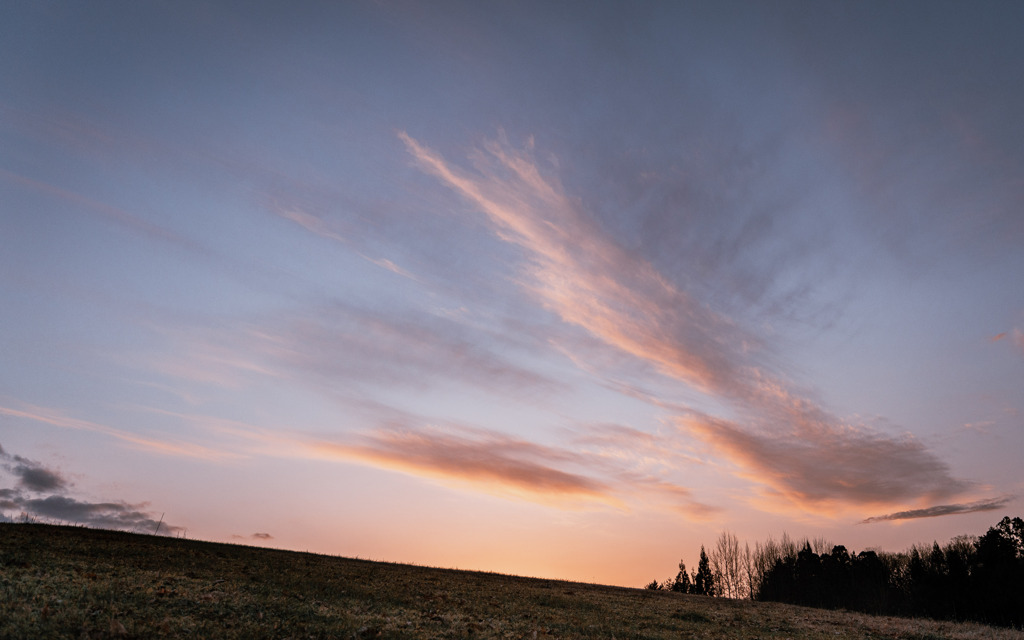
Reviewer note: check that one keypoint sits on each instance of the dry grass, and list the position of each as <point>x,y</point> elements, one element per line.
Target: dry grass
<point>83,583</point>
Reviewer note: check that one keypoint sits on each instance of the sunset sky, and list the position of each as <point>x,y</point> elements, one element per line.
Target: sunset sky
<point>553,289</point>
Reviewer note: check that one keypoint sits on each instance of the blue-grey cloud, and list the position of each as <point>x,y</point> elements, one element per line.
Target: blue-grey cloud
<point>105,515</point>
<point>339,345</point>
<point>32,475</point>
<point>991,504</point>
<point>39,479</point>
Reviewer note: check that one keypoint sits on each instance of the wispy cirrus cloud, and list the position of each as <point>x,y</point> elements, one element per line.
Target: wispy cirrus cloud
<point>121,217</point>
<point>166,447</point>
<point>991,504</point>
<point>321,228</point>
<point>335,344</point>
<point>579,273</point>
<point>576,271</point>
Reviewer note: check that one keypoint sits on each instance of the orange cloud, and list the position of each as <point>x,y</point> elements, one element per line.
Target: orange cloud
<point>485,460</point>
<point>608,462</point>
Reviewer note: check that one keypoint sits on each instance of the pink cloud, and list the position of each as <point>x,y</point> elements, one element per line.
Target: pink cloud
<point>819,470</point>
<point>492,462</point>
<point>576,271</point>
<point>479,458</point>
<point>581,274</point>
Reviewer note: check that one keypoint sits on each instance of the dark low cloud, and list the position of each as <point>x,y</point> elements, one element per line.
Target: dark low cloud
<point>32,475</point>
<point>105,515</point>
<point>991,504</point>
<point>39,479</point>
<point>9,499</point>
<point>34,479</point>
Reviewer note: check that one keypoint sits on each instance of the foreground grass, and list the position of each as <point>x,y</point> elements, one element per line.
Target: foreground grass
<point>85,583</point>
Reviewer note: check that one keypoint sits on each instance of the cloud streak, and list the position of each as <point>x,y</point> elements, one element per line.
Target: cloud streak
<point>319,227</point>
<point>602,470</point>
<point>578,272</point>
<point>336,344</point>
<point>475,457</point>
<point>165,447</point>
<point>991,504</point>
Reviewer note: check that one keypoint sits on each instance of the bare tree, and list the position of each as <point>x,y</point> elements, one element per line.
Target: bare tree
<point>750,572</point>
<point>821,546</point>
<point>766,555</point>
<point>727,566</point>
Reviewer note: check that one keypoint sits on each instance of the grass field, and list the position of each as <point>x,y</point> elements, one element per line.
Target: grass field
<point>84,583</point>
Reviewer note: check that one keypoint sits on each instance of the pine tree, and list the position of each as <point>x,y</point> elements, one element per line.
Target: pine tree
<point>704,579</point>
<point>682,583</point>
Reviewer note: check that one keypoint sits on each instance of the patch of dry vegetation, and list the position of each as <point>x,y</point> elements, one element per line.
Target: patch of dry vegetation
<point>84,583</point>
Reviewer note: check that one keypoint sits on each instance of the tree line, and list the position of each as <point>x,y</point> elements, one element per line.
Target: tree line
<point>980,579</point>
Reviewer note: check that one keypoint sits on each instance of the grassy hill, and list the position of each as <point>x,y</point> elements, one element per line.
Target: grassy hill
<point>85,583</point>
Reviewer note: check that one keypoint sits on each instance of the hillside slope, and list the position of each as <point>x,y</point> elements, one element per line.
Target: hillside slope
<point>87,583</point>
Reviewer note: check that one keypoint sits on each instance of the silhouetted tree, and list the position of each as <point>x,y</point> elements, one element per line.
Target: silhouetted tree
<point>682,583</point>
<point>779,583</point>
<point>998,576</point>
<point>836,577</point>
<point>808,577</point>
<point>704,579</point>
<point>959,554</point>
<point>968,579</point>
<point>870,583</point>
